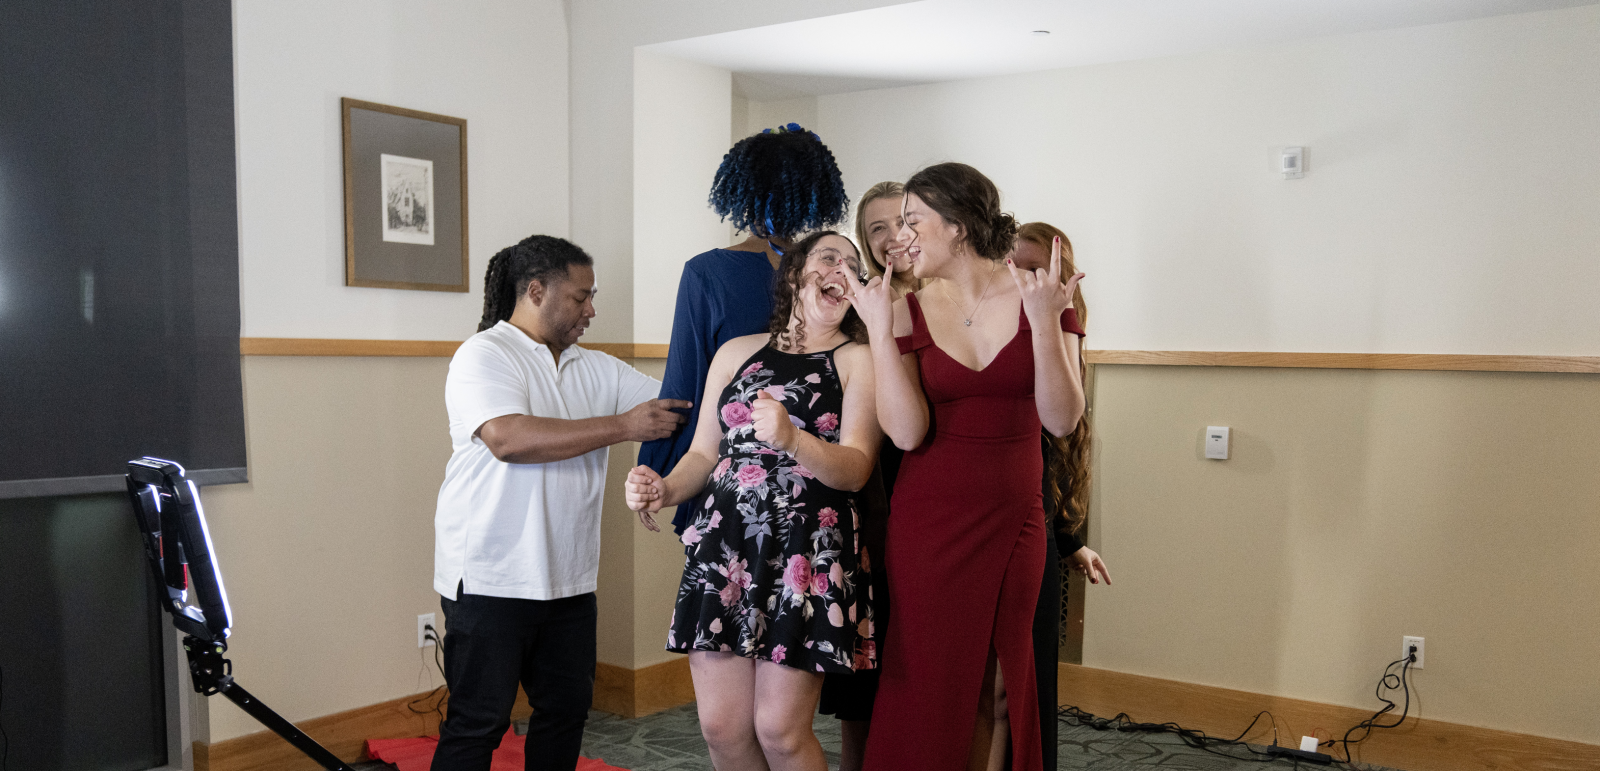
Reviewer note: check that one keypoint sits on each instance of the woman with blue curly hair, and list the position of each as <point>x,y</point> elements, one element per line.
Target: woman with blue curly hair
<point>773,186</point>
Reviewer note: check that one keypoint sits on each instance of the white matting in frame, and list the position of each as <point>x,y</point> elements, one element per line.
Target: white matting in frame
<point>408,211</point>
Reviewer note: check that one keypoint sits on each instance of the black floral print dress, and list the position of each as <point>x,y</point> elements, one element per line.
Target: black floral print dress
<point>772,569</point>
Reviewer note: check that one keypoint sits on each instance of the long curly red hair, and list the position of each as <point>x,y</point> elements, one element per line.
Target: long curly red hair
<point>1067,475</point>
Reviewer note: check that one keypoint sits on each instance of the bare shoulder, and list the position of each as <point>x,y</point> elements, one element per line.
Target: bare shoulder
<point>743,347</point>
<point>854,360</point>
<point>902,317</point>
<point>853,355</point>
<point>735,351</point>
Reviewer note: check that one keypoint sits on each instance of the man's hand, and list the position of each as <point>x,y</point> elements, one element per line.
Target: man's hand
<point>654,419</point>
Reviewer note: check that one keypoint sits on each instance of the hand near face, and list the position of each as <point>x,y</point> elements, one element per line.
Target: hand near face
<point>645,491</point>
<point>1044,296</point>
<point>772,422</point>
<point>874,303</point>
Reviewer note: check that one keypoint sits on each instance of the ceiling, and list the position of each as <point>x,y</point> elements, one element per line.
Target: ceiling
<point>939,40</point>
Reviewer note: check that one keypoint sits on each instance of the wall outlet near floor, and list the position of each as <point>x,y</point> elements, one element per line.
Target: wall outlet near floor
<point>1405,649</point>
<point>425,620</point>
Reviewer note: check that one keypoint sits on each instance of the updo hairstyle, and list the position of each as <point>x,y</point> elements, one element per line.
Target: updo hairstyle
<point>964,196</point>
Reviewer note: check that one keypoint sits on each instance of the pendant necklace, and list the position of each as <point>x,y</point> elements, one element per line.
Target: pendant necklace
<point>968,320</point>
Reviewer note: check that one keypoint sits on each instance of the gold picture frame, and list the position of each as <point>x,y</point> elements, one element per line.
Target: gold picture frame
<point>405,198</point>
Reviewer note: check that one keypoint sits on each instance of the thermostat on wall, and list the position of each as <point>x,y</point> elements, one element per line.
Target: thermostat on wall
<point>1292,162</point>
<point>1217,442</point>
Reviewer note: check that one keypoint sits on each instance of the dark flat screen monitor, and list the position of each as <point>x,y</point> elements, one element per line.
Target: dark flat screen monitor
<point>119,256</point>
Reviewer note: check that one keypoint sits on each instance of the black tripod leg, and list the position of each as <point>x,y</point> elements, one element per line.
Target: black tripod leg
<point>281,727</point>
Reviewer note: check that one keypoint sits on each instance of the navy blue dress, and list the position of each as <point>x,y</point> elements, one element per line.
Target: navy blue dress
<point>723,294</point>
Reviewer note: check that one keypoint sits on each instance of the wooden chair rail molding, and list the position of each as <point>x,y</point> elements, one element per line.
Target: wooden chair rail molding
<point>291,346</point>
<point>1414,361</point>
<point>298,346</point>
<point>1416,745</point>
<point>618,690</point>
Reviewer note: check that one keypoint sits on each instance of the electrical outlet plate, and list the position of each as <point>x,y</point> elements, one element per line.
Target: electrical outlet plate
<point>424,621</point>
<point>1217,442</point>
<point>1405,649</point>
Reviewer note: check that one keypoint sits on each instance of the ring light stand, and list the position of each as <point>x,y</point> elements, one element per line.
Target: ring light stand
<point>178,547</point>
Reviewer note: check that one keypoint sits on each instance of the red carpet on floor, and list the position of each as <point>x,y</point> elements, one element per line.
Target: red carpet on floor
<point>417,754</point>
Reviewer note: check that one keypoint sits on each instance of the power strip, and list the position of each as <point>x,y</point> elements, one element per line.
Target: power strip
<point>1315,757</point>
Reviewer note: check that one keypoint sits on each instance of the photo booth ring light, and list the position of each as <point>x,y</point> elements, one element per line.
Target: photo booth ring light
<point>177,545</point>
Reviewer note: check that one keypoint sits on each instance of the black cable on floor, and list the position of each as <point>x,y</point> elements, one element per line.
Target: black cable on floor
<point>1197,739</point>
<point>1401,682</point>
<point>1390,681</point>
<point>442,692</point>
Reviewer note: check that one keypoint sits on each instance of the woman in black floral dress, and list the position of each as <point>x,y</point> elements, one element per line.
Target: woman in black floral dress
<point>775,588</point>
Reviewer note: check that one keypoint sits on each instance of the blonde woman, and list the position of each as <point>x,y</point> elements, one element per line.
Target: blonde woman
<point>878,231</point>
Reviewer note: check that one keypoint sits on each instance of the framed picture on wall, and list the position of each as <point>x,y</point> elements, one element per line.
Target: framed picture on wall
<point>405,198</point>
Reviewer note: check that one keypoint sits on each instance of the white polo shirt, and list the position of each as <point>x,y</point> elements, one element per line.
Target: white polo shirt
<point>525,530</point>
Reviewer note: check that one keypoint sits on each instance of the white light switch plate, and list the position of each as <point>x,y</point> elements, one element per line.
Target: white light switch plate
<point>1217,442</point>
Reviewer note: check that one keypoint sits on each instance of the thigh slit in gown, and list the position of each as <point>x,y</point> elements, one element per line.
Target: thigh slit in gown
<point>967,544</point>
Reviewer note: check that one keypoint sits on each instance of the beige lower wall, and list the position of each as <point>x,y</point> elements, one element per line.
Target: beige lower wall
<point>327,552</point>
<point>1358,506</point>
<point>639,570</point>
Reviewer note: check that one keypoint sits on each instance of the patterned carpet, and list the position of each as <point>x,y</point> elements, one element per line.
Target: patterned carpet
<point>671,741</point>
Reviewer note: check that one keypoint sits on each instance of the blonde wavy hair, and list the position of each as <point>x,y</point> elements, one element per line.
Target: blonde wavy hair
<point>879,191</point>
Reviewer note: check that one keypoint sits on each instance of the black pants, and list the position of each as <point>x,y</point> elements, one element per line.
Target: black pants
<point>494,643</point>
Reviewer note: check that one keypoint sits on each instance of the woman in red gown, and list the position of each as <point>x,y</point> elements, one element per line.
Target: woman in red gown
<point>968,369</point>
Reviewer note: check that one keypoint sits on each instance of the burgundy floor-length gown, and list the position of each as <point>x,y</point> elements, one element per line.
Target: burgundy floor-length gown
<point>967,544</point>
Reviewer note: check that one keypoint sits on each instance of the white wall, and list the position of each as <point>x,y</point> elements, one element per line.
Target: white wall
<point>681,114</point>
<point>603,36</point>
<point>500,64</point>
<point>329,547</point>
<point>765,115</point>
<point>1449,204</point>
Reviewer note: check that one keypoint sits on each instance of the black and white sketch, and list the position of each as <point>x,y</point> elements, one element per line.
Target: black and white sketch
<point>408,213</point>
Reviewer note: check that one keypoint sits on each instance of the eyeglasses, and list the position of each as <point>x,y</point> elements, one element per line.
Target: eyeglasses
<point>833,258</point>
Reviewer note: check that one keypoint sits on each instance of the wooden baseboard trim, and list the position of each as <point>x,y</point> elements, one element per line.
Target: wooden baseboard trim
<point>639,692</point>
<point>291,346</point>
<point>1401,361</point>
<point>618,690</point>
<point>1417,745</point>
<point>345,734</point>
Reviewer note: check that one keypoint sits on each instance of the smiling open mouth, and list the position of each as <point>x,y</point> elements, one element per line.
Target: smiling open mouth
<point>832,291</point>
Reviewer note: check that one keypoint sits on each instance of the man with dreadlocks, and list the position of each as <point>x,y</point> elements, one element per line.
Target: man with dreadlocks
<point>517,529</point>
<point>773,186</point>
